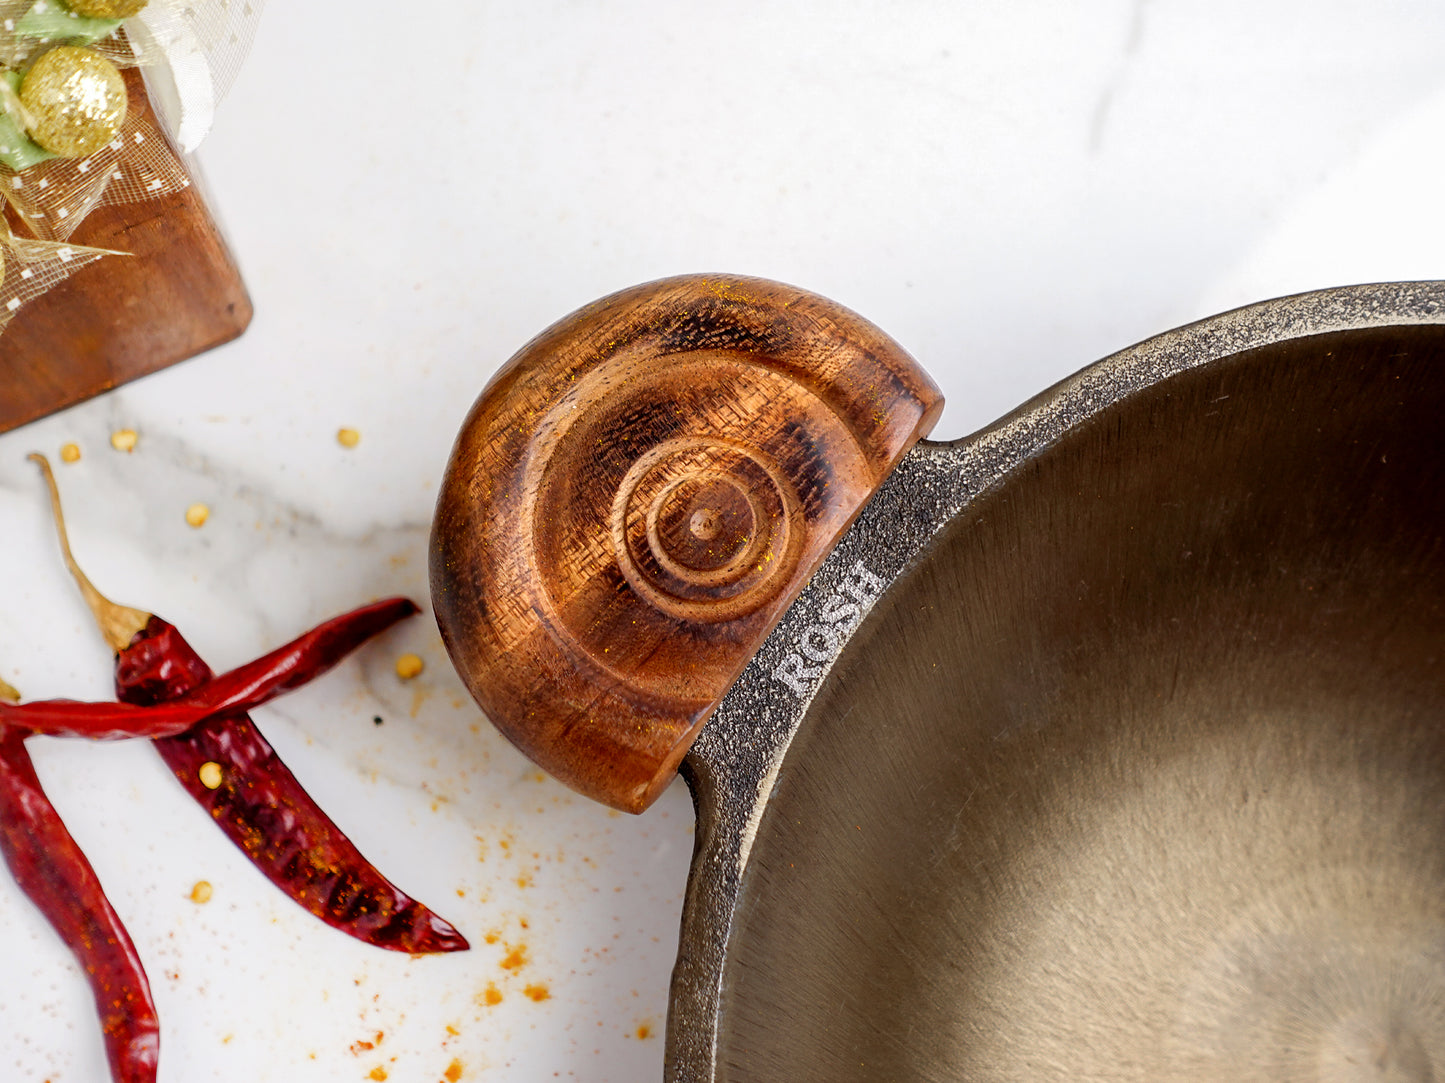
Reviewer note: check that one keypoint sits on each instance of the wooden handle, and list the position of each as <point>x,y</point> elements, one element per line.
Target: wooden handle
<point>638,495</point>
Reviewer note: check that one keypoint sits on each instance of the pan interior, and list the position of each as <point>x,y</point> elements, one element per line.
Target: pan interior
<point>1140,773</point>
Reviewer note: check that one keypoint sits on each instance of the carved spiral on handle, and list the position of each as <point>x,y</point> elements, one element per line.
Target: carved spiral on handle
<point>638,495</point>
<point>705,529</point>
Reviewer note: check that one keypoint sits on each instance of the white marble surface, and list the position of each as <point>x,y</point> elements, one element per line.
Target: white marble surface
<point>1011,189</point>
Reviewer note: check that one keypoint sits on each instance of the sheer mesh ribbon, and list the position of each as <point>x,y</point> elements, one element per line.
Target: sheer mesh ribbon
<point>30,267</point>
<point>192,53</point>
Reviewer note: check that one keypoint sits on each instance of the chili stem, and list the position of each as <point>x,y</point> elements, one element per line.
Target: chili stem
<point>118,623</point>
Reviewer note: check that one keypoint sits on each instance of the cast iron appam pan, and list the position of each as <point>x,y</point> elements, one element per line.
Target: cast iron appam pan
<point>1103,744</point>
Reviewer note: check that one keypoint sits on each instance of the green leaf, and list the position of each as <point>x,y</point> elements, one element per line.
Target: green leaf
<point>50,20</point>
<point>16,149</point>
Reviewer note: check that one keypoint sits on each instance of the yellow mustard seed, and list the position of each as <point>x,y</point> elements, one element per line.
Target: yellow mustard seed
<point>123,440</point>
<point>201,893</point>
<point>210,775</point>
<point>70,453</point>
<point>197,514</point>
<point>348,437</point>
<point>409,666</point>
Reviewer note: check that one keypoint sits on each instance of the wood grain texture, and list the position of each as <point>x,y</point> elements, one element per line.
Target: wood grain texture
<point>177,294</point>
<point>638,495</point>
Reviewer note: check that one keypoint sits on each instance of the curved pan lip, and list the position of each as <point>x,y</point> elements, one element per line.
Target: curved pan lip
<point>735,762</point>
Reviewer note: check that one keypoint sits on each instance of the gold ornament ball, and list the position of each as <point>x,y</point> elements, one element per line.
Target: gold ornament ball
<point>76,100</point>
<point>106,9</point>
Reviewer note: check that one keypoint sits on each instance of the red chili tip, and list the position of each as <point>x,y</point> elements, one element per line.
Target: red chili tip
<point>436,935</point>
<point>137,1059</point>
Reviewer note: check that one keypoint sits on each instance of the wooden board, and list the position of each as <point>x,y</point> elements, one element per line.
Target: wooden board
<point>178,294</point>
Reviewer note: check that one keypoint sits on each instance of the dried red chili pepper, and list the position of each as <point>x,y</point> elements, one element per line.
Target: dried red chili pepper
<point>258,804</point>
<point>242,689</point>
<point>99,721</point>
<point>51,870</point>
<point>263,809</point>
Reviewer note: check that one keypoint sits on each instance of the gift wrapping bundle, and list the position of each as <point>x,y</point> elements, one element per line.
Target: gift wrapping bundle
<point>100,103</point>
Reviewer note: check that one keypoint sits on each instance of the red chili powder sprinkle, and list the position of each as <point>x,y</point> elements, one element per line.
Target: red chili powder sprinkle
<point>516,958</point>
<point>644,1031</point>
<point>538,992</point>
<point>454,1071</point>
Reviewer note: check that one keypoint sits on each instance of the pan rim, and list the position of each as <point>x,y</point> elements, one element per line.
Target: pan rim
<point>732,768</point>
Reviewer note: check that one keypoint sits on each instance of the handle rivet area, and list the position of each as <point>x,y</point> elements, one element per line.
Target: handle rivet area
<point>705,522</point>
<point>636,498</point>
<point>706,530</point>
<point>720,523</point>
